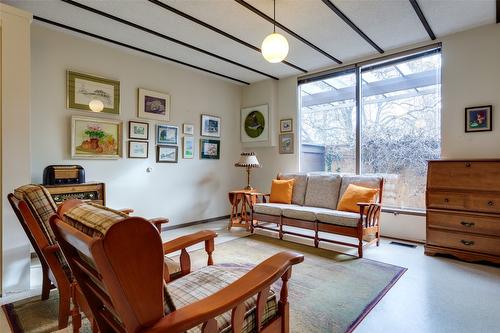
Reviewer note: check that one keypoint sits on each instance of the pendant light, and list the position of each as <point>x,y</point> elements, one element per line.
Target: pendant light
<point>275,46</point>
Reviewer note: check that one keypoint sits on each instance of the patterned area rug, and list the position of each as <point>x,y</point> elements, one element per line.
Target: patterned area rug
<point>328,292</point>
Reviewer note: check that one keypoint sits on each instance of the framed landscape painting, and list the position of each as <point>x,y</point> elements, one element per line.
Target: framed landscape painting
<point>166,154</point>
<point>210,126</point>
<point>84,88</point>
<point>95,138</point>
<point>153,105</point>
<point>255,123</point>
<point>286,143</point>
<point>138,130</point>
<point>166,134</point>
<point>209,149</point>
<point>138,149</point>
<point>188,147</point>
<point>478,119</point>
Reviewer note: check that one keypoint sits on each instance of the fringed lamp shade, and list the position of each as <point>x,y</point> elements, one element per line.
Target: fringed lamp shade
<point>248,161</point>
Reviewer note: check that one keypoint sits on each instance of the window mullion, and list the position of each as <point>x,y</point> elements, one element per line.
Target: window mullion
<point>358,120</point>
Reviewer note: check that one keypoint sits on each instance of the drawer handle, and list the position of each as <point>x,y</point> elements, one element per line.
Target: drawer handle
<point>446,200</point>
<point>467,224</point>
<point>467,242</point>
<point>467,164</point>
<point>491,203</point>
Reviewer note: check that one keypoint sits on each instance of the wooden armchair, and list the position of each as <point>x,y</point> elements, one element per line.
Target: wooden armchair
<point>33,206</point>
<point>122,278</point>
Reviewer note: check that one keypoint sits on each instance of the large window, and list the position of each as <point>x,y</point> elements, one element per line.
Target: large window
<point>379,119</point>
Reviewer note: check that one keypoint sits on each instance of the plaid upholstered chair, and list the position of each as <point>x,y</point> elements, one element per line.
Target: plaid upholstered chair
<point>118,263</point>
<point>33,206</point>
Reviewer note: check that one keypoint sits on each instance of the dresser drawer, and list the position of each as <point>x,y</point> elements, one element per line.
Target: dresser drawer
<point>464,175</point>
<point>483,202</point>
<point>479,224</point>
<point>464,241</point>
<point>446,200</point>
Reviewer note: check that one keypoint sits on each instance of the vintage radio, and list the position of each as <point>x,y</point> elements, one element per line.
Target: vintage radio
<point>63,174</point>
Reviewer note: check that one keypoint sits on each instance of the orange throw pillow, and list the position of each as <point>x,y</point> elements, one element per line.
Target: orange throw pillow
<point>355,194</point>
<point>281,191</point>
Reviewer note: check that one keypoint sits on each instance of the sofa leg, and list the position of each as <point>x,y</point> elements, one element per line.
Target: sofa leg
<point>360,250</point>
<point>378,238</point>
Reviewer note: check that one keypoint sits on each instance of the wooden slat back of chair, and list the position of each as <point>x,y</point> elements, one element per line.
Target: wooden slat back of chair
<point>122,274</point>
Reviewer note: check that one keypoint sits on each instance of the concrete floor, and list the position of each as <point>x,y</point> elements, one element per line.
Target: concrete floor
<point>435,294</point>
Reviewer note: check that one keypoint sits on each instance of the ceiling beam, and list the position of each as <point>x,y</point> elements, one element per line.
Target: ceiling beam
<point>217,30</point>
<point>112,41</point>
<point>353,26</point>
<point>287,30</point>
<point>498,11</point>
<point>170,39</point>
<point>422,18</point>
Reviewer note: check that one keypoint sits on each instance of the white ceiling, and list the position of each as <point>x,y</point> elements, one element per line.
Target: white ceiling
<point>389,23</point>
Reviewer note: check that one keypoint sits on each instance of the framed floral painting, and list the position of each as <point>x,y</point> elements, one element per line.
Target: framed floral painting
<point>95,138</point>
<point>209,149</point>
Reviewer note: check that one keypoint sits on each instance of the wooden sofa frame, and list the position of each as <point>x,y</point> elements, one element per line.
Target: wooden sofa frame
<point>132,299</point>
<point>368,224</point>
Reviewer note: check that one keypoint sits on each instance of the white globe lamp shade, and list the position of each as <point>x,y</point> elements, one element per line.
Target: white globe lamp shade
<point>96,105</point>
<point>275,48</point>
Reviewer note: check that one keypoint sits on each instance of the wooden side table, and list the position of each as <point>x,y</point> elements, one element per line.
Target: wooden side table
<point>241,203</point>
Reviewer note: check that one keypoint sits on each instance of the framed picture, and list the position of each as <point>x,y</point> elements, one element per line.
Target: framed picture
<point>210,126</point>
<point>138,130</point>
<point>85,88</point>
<point>166,154</point>
<point>188,129</point>
<point>286,125</point>
<point>188,147</point>
<point>166,134</point>
<point>286,143</point>
<point>95,138</point>
<point>138,149</point>
<point>209,149</point>
<point>153,105</point>
<point>478,119</point>
<point>255,123</point>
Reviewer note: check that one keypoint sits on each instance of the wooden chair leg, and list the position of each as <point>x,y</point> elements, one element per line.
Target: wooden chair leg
<point>76,317</point>
<point>46,283</point>
<point>360,247</point>
<point>64,306</point>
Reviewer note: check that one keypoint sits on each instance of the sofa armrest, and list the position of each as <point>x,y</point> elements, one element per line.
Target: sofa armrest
<point>369,213</point>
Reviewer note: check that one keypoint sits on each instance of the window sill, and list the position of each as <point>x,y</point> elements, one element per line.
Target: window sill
<point>404,211</point>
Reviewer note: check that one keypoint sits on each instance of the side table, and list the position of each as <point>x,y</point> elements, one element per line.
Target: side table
<point>241,202</point>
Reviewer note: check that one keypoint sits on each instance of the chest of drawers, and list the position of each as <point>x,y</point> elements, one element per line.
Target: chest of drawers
<point>463,209</point>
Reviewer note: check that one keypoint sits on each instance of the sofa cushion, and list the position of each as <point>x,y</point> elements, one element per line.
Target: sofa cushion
<point>355,194</point>
<point>364,181</point>
<point>281,191</point>
<point>299,187</point>
<point>323,191</point>
<point>303,212</point>
<point>337,217</point>
<point>271,208</point>
<point>207,281</point>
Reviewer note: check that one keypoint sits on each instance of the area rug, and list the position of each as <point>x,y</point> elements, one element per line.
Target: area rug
<point>328,292</point>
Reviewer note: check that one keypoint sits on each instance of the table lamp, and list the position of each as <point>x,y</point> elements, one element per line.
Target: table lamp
<point>249,161</point>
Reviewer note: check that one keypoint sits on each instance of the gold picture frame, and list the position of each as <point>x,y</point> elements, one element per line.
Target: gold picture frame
<point>96,138</point>
<point>84,88</point>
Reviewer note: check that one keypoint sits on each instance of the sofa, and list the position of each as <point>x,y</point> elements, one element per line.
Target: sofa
<point>314,207</point>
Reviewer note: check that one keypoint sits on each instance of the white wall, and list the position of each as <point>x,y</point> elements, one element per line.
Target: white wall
<point>190,190</point>
<point>470,72</point>
<point>15,142</point>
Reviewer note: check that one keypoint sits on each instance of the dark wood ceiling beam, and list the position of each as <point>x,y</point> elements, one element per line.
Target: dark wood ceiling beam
<point>353,26</point>
<point>163,36</point>
<point>422,18</point>
<point>112,41</point>
<point>217,30</point>
<point>287,30</point>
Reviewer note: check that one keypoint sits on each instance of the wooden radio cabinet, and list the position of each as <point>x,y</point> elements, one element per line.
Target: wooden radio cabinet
<point>463,209</point>
<point>93,192</point>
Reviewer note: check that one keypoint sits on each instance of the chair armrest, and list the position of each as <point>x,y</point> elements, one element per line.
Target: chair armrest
<point>369,213</point>
<point>256,280</point>
<point>50,249</point>
<point>158,221</point>
<point>127,211</point>
<point>188,240</point>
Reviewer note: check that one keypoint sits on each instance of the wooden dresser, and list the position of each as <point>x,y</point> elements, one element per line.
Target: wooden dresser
<point>463,209</point>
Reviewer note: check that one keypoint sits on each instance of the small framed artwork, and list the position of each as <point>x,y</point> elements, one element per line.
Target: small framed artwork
<point>209,149</point>
<point>286,143</point>
<point>478,119</point>
<point>153,105</point>
<point>286,125</point>
<point>138,130</point>
<point>138,149</point>
<point>255,123</point>
<point>95,138</point>
<point>210,126</point>
<point>166,134</point>
<point>84,90</point>
<point>188,129</point>
<point>166,154</point>
<point>188,147</point>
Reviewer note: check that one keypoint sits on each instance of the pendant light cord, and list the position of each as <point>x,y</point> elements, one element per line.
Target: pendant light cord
<point>274,20</point>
